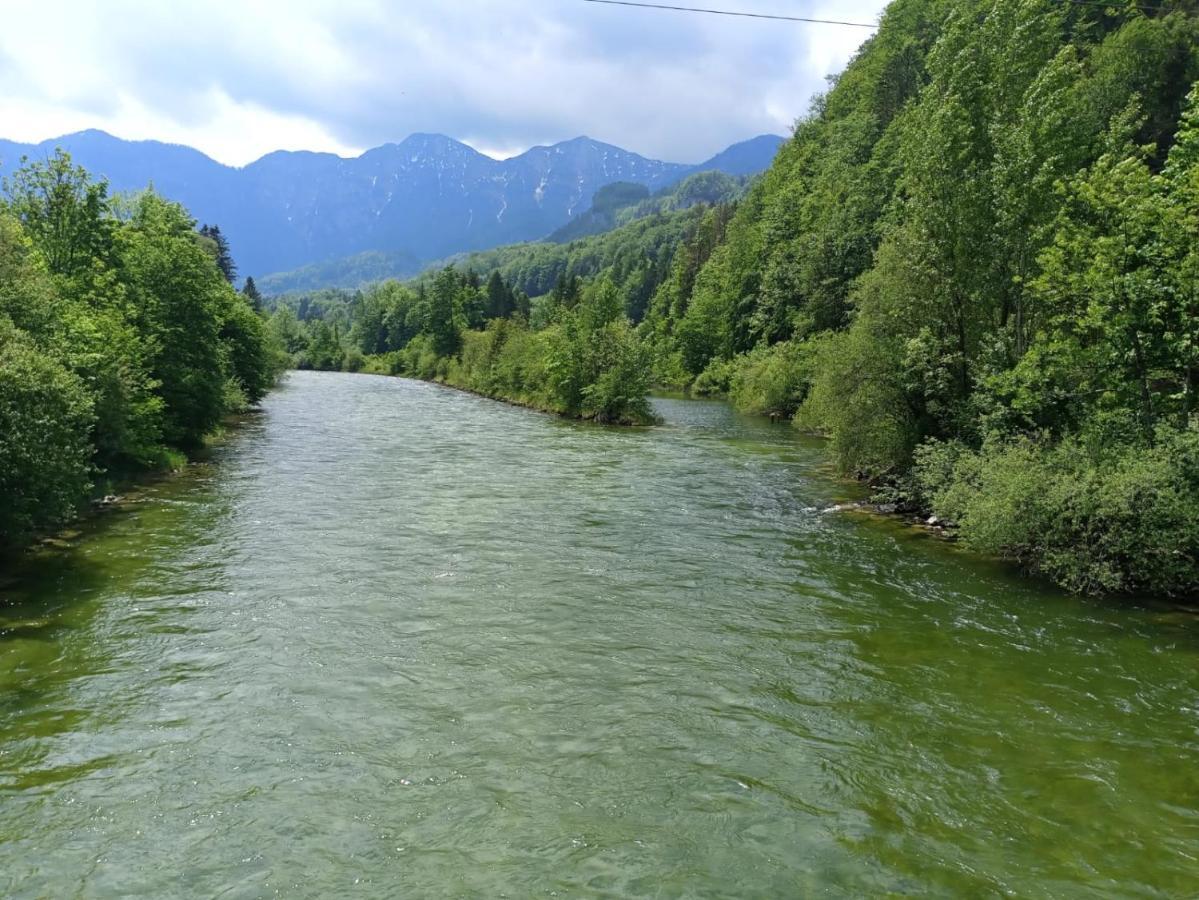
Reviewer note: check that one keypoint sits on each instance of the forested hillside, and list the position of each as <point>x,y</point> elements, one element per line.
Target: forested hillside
<point>973,268</point>
<point>122,341</point>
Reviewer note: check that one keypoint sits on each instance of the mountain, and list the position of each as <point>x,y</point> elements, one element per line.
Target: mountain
<point>425,198</point>
<point>355,271</point>
<point>747,158</point>
<point>613,205</point>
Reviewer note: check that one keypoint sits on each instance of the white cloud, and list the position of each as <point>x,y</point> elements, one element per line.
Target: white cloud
<point>237,79</point>
<point>234,133</point>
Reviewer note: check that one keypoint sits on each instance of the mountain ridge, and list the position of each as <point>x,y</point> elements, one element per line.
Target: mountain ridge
<point>427,196</point>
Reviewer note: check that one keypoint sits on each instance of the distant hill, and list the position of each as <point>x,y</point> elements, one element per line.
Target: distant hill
<point>348,272</point>
<point>425,198</point>
<point>745,158</point>
<point>621,203</point>
<point>605,206</point>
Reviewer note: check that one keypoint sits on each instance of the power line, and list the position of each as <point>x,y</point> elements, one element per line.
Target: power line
<point>727,12</point>
<point>1115,4</point>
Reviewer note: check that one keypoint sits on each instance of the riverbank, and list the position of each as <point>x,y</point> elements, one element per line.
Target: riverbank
<point>535,407</point>
<point>122,340</point>
<point>116,490</point>
<point>452,373</point>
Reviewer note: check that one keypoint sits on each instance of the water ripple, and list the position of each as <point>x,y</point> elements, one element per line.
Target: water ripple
<point>395,640</point>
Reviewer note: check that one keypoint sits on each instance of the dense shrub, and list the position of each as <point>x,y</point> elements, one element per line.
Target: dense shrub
<point>252,361</point>
<point>1093,519</point>
<point>46,415</point>
<point>618,376</point>
<point>715,380</point>
<point>587,363</point>
<point>772,380</point>
<point>858,398</point>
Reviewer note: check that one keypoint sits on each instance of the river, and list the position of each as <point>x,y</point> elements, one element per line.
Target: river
<point>395,640</point>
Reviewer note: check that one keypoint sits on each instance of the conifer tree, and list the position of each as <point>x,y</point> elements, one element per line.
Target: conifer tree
<point>251,293</point>
<point>500,300</point>
<point>224,259</point>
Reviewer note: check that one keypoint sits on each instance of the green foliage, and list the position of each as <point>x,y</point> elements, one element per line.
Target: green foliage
<point>683,345</point>
<point>772,380</point>
<point>701,189</point>
<point>1119,310</point>
<point>323,347</point>
<point>119,335</point>
<point>45,416</point>
<point>286,331</point>
<point>574,352</point>
<point>180,295</point>
<point>419,360</point>
<point>218,247</point>
<point>1095,519</point>
<point>446,313</point>
<point>716,379</point>
<point>986,231</point>
<point>252,364</point>
<point>361,270</point>
<point>64,212</point>
<point>602,370</point>
<point>636,257</point>
<point>252,294</point>
<point>621,203</point>
<point>585,363</point>
<point>616,368</point>
<point>859,398</point>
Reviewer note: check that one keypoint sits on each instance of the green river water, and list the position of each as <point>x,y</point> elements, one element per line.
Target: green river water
<point>392,640</point>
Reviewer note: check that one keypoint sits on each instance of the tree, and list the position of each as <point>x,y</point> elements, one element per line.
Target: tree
<point>501,302</point>
<point>324,351</point>
<point>220,251</point>
<point>45,418</point>
<point>567,291</point>
<point>64,212</point>
<point>251,293</point>
<point>245,339</point>
<point>443,321</point>
<point>179,294</point>
<point>286,330</point>
<point>118,333</point>
<point>78,309</point>
<point>1120,338</point>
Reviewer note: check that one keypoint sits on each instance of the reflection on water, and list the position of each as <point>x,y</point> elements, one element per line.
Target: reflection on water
<point>397,640</point>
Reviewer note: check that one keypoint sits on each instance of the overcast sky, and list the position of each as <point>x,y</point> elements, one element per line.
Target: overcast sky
<point>239,78</point>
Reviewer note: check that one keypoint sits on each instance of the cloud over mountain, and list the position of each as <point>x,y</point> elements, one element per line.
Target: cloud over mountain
<point>239,79</point>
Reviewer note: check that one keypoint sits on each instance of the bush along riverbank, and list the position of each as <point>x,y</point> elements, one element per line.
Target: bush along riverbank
<point>573,353</point>
<point>122,343</point>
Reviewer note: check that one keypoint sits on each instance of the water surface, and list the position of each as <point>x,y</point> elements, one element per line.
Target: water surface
<point>394,640</point>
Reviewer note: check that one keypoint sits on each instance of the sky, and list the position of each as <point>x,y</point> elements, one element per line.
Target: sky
<point>240,78</point>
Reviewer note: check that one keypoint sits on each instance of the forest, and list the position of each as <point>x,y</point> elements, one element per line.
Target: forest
<point>974,268</point>
<point>123,343</point>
